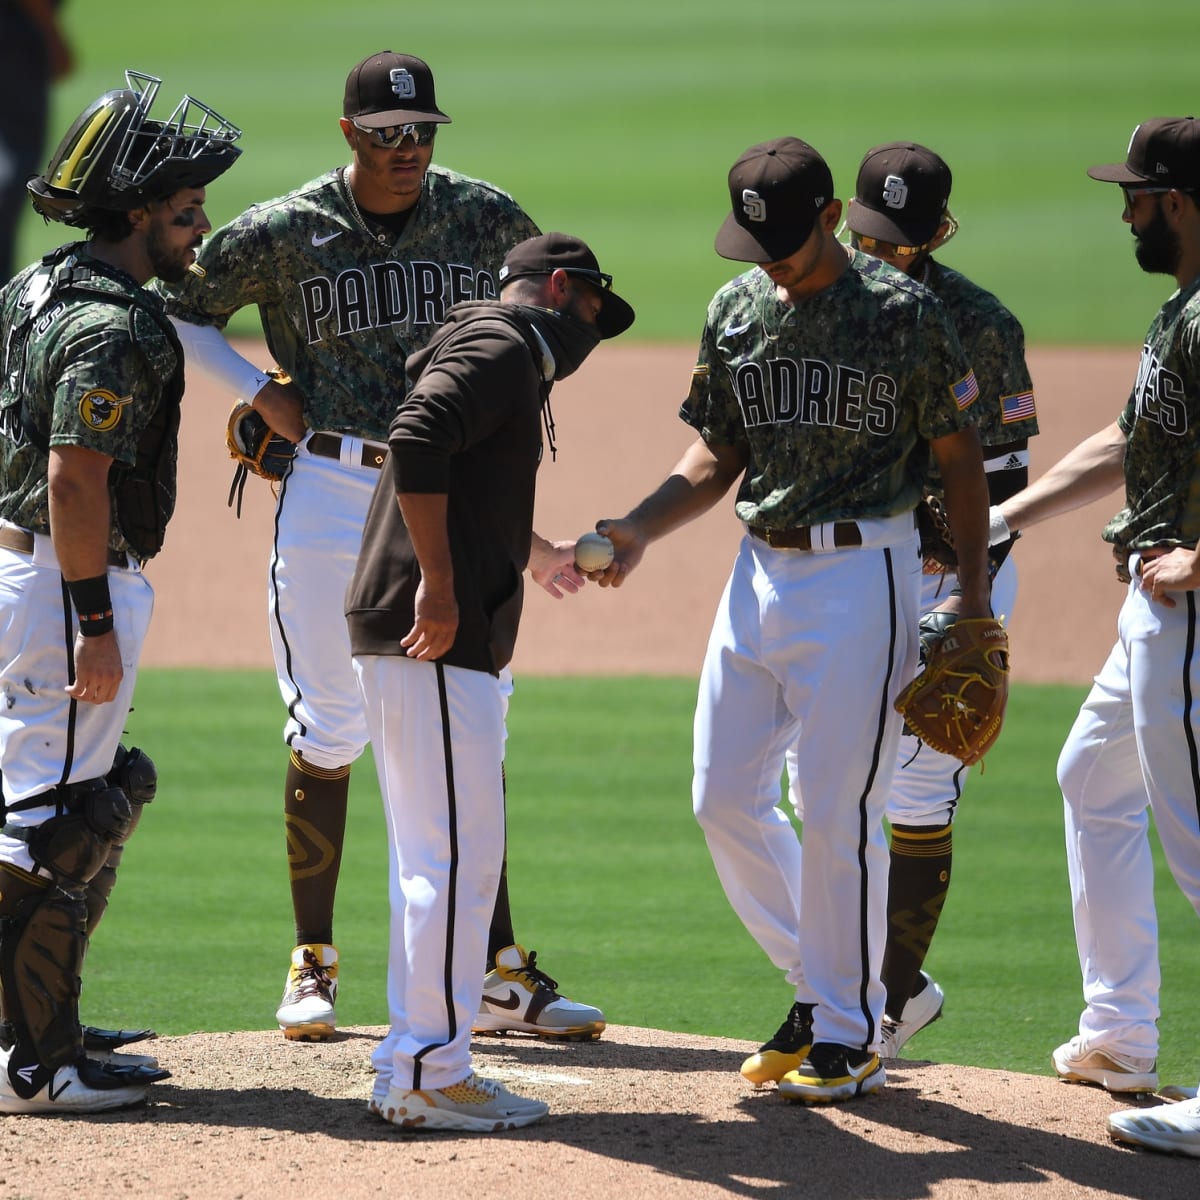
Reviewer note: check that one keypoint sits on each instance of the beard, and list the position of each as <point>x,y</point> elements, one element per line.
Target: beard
<point>1157,248</point>
<point>170,264</point>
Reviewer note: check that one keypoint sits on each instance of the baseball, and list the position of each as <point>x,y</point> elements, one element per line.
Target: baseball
<point>593,552</point>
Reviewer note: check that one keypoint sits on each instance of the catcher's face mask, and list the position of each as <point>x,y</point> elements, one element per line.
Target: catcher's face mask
<point>115,158</point>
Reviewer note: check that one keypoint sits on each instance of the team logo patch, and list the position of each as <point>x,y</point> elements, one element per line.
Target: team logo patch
<point>101,409</point>
<point>753,205</point>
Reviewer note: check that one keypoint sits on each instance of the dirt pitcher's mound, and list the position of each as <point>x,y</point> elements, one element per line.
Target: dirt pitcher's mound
<point>639,1113</point>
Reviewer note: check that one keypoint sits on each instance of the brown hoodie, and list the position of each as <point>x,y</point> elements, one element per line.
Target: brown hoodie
<point>471,428</point>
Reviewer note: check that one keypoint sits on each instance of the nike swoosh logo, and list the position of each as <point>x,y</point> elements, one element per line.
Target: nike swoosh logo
<point>863,1070</point>
<point>55,1095</point>
<point>734,330</point>
<point>320,241</point>
<point>511,1001</point>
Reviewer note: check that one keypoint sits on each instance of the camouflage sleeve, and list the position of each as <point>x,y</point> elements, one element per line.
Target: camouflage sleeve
<point>947,398</point>
<point>1007,410</point>
<point>105,387</point>
<point>711,406</point>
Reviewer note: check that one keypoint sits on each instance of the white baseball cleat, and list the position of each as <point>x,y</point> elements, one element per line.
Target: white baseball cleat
<point>1169,1128</point>
<point>1076,1062</point>
<point>86,1086</point>
<point>476,1105</point>
<point>920,1011</point>
<point>306,1013</point>
<point>520,998</point>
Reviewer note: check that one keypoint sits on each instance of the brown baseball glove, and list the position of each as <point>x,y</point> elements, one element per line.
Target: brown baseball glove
<point>956,704</point>
<point>937,542</point>
<point>256,448</point>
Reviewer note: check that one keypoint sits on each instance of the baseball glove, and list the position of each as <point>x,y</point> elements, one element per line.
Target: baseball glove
<point>256,448</point>
<point>937,542</point>
<point>956,704</point>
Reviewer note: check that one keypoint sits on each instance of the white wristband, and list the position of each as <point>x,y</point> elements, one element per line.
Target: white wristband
<point>998,530</point>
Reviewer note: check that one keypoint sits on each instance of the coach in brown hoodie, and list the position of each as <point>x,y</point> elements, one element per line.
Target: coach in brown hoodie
<point>433,610</point>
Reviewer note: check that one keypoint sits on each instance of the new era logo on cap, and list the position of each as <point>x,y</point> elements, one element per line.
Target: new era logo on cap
<point>1164,151</point>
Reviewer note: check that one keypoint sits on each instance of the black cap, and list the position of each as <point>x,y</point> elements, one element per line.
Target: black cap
<point>560,251</point>
<point>391,89</point>
<point>901,194</point>
<point>1164,152</point>
<point>777,188</point>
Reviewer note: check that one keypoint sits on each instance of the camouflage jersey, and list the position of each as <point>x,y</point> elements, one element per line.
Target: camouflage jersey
<point>343,304</point>
<point>994,343</point>
<point>1162,424</point>
<point>834,399</point>
<point>82,380</point>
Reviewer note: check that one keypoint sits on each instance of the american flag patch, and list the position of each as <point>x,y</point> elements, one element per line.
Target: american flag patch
<point>1017,408</point>
<point>966,390</point>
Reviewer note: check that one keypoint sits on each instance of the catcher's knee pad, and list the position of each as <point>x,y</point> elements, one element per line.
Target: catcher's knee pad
<point>42,944</point>
<point>133,771</point>
<point>74,845</point>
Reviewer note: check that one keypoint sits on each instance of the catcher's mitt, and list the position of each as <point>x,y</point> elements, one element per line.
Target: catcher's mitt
<point>956,704</point>
<point>937,542</point>
<point>256,448</point>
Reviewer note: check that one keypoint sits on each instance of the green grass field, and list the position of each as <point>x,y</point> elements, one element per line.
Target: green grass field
<point>620,122</point>
<point>610,878</point>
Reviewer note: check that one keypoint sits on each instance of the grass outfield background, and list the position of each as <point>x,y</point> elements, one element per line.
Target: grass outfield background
<point>620,121</point>
<point>610,878</point>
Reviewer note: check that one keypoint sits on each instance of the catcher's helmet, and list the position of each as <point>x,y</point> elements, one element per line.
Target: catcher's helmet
<point>115,158</point>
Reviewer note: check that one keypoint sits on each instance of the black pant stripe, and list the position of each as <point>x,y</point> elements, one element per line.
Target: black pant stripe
<point>1189,729</point>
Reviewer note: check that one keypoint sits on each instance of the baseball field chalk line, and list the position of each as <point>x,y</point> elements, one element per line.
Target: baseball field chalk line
<point>522,1076</point>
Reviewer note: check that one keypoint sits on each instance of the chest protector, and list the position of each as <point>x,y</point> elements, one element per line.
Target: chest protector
<point>143,494</point>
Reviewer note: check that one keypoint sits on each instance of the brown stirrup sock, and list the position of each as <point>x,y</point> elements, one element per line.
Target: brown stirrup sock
<point>501,932</point>
<point>917,884</point>
<point>314,814</point>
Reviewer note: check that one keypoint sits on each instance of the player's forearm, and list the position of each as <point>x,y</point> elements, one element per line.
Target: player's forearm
<point>1089,472</point>
<point>967,507</point>
<point>80,517</point>
<point>701,477</point>
<point>425,517</point>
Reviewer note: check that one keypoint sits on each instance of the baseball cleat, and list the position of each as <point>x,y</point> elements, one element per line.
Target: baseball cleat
<point>785,1051</point>
<point>520,998</point>
<point>832,1073</point>
<point>1169,1128</point>
<point>1075,1063</point>
<point>306,1013</point>
<point>86,1086</point>
<point>920,1010</point>
<point>476,1105</point>
<point>109,1045</point>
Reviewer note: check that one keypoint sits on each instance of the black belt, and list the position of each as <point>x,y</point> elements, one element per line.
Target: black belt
<point>845,533</point>
<point>329,445</point>
<point>21,540</point>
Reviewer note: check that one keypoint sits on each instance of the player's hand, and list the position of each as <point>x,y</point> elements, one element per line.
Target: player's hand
<point>552,567</point>
<point>281,405</point>
<point>1176,571</point>
<point>628,547</point>
<point>435,623</point>
<point>98,669</point>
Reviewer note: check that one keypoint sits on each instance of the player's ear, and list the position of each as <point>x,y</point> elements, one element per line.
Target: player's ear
<point>347,131</point>
<point>831,216</point>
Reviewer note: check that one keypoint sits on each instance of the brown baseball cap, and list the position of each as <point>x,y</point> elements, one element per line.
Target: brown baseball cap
<point>1163,152</point>
<point>560,251</point>
<point>391,89</point>
<point>901,194</point>
<point>777,189</point>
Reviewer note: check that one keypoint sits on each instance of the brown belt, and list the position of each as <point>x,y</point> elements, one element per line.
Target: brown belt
<point>21,540</point>
<point>329,445</point>
<point>845,533</point>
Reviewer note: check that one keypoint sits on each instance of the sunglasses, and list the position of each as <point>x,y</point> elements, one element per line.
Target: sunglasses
<point>1132,193</point>
<point>599,278</point>
<point>391,136</point>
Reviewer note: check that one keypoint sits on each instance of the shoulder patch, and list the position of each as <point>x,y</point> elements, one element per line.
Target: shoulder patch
<point>101,409</point>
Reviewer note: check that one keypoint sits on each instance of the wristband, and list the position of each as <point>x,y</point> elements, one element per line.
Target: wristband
<point>93,605</point>
<point>998,530</point>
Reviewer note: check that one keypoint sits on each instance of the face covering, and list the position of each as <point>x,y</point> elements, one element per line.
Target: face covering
<point>570,339</point>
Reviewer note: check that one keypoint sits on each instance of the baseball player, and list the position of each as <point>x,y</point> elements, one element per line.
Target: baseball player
<point>89,412</point>
<point>351,273</point>
<point>824,380</point>
<point>900,213</point>
<point>1132,749</point>
<point>433,611</point>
